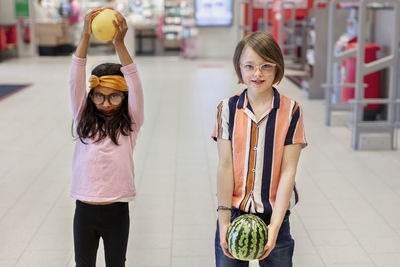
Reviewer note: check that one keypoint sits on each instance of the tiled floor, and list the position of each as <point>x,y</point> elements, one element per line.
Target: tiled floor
<point>347,215</point>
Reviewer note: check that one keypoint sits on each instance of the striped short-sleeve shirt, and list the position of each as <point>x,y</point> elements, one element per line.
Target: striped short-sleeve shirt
<point>257,147</point>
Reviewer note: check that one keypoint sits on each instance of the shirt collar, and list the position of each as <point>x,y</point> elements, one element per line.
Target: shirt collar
<point>244,102</point>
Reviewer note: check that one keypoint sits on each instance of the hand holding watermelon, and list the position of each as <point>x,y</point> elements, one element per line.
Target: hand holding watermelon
<point>247,237</point>
<point>223,239</point>
<point>272,236</point>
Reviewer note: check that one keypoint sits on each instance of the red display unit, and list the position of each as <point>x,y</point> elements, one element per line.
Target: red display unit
<point>272,12</point>
<point>372,80</point>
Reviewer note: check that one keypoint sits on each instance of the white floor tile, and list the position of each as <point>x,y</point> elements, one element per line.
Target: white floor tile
<point>47,258</point>
<point>305,260</point>
<point>8,263</point>
<point>383,245</point>
<point>332,238</point>
<point>196,247</point>
<point>304,246</point>
<point>344,254</point>
<point>194,231</point>
<point>386,259</point>
<point>138,240</point>
<point>149,257</point>
<point>350,265</point>
<point>192,261</point>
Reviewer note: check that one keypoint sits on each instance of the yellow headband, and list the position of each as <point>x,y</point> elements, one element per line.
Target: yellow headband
<point>116,82</point>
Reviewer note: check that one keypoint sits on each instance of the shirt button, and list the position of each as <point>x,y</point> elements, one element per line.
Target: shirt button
<point>254,170</point>
<point>255,148</point>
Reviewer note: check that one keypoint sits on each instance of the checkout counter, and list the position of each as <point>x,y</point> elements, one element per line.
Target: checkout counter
<point>54,38</point>
<point>141,36</point>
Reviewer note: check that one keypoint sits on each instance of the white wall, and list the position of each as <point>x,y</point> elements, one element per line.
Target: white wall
<point>219,42</point>
<point>7,12</point>
<point>383,35</point>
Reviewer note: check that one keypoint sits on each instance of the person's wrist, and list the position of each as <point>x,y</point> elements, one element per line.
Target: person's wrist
<point>224,218</point>
<point>273,227</point>
<point>223,208</point>
<point>85,36</point>
<point>118,43</point>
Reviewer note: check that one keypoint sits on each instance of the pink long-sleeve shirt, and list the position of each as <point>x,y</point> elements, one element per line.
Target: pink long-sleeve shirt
<point>103,171</point>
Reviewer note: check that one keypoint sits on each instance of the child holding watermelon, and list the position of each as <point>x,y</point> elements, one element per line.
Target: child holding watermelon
<point>259,135</point>
<point>107,121</point>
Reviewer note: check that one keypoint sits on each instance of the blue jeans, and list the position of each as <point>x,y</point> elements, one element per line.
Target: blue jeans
<point>281,255</point>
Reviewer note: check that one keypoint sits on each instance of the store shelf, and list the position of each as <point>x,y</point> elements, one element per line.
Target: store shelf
<point>172,25</point>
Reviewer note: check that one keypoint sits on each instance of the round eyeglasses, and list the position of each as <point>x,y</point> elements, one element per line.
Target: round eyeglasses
<point>114,99</point>
<point>266,68</point>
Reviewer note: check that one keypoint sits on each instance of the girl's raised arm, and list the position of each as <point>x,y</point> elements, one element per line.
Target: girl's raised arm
<point>78,68</point>
<point>135,98</point>
<point>118,41</point>
<point>81,49</point>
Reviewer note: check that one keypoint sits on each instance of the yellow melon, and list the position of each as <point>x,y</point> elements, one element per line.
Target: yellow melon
<point>102,25</point>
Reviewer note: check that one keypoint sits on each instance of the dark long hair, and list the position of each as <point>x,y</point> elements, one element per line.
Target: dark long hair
<point>96,125</point>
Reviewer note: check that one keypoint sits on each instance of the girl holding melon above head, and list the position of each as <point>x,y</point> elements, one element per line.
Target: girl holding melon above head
<point>259,135</point>
<point>107,121</point>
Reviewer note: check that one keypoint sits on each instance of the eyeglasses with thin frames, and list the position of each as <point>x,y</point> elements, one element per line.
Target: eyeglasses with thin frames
<point>114,98</point>
<point>266,68</point>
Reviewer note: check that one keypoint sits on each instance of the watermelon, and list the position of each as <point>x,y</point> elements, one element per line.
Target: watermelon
<point>246,237</point>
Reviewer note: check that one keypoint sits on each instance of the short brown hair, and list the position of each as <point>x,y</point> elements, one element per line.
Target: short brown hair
<point>266,47</point>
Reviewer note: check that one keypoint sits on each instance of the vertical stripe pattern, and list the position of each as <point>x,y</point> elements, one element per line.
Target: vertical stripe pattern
<point>251,165</point>
<point>258,146</point>
<point>267,166</point>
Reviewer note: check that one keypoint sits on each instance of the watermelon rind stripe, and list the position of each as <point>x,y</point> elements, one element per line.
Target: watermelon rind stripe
<point>247,236</point>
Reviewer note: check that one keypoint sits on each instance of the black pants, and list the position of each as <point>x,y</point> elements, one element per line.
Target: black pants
<point>111,223</point>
